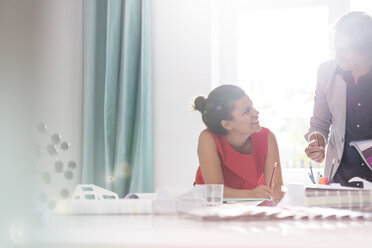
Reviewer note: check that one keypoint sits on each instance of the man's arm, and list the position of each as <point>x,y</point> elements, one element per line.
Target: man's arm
<point>322,117</point>
<point>321,120</point>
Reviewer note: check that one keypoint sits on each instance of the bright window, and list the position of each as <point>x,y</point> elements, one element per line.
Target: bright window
<point>273,51</point>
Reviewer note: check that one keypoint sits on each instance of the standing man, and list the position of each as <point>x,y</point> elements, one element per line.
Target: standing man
<point>343,101</point>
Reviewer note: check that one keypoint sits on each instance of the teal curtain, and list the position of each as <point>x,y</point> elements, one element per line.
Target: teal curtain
<point>117,153</point>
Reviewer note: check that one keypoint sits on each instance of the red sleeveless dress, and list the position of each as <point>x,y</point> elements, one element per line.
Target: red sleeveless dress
<point>241,171</point>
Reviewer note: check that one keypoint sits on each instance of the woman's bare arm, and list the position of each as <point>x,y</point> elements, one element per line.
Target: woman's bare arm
<point>272,157</point>
<point>209,160</point>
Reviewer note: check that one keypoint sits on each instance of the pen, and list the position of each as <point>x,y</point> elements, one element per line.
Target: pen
<point>330,175</point>
<point>312,175</point>
<point>272,175</point>
<point>311,178</point>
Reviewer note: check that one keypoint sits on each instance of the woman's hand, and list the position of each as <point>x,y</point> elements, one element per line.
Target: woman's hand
<point>261,191</point>
<point>278,194</point>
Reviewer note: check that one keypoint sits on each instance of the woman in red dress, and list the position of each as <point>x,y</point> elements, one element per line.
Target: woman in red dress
<point>234,150</point>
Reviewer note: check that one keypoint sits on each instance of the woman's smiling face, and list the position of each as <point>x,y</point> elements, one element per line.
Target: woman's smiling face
<point>245,117</point>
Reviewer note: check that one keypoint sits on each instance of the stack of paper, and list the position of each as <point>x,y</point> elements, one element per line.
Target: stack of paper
<point>244,212</point>
<point>329,196</point>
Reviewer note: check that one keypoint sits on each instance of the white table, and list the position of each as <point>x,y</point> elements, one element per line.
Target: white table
<point>174,231</point>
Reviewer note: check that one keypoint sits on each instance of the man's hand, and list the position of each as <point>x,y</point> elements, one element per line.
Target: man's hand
<point>316,148</point>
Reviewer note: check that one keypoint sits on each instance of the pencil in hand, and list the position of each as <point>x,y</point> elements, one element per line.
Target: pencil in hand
<point>272,175</point>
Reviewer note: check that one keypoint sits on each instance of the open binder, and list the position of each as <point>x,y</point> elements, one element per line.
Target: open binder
<point>364,147</point>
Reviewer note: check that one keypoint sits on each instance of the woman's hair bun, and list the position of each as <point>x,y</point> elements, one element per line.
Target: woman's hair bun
<point>199,103</point>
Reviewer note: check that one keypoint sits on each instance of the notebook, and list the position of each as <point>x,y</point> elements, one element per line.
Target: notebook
<point>246,201</point>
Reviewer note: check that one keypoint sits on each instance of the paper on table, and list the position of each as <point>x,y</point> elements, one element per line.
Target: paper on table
<point>117,206</point>
<point>162,193</point>
<point>245,201</point>
<point>171,193</point>
<point>150,196</point>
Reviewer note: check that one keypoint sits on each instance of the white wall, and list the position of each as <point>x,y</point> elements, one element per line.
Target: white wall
<point>41,48</point>
<point>60,60</point>
<point>60,75</point>
<point>181,58</point>
<point>181,70</point>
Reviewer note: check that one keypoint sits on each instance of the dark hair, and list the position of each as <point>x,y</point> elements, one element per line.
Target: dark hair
<point>358,27</point>
<point>218,106</point>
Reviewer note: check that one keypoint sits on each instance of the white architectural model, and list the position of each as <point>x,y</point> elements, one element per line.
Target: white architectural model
<point>93,192</point>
